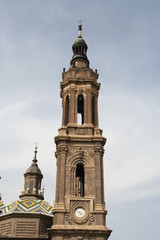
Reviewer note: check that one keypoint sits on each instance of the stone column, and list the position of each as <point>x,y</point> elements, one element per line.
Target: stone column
<point>89,180</point>
<point>63,109</point>
<point>98,173</point>
<point>85,107</point>
<point>76,110</point>
<point>96,111</point>
<point>72,107</point>
<point>68,180</point>
<point>89,106</point>
<point>72,181</point>
<point>61,161</point>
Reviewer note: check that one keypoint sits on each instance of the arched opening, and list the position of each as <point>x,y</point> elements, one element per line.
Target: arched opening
<point>80,181</point>
<point>26,185</point>
<point>80,111</point>
<point>93,110</point>
<point>66,111</point>
<point>37,186</point>
<point>31,186</point>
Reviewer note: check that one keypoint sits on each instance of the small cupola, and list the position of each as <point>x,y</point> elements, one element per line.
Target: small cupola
<point>32,180</point>
<point>79,59</point>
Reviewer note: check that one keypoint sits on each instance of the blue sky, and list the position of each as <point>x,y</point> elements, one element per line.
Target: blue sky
<point>123,44</point>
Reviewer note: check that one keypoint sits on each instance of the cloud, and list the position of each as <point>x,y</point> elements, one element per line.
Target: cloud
<point>132,155</point>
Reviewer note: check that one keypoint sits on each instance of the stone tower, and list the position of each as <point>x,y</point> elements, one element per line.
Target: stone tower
<point>79,208</point>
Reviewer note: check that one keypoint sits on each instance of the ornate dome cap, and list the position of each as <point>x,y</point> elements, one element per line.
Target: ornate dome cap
<point>79,41</point>
<point>79,49</point>
<point>34,167</point>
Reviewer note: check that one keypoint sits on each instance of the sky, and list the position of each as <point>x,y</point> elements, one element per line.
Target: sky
<point>123,40</point>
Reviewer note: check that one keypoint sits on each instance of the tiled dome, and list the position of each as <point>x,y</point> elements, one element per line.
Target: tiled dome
<point>27,205</point>
<point>1,205</point>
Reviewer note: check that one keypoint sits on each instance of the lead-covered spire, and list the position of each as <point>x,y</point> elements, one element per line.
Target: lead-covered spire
<point>32,180</point>
<point>79,59</point>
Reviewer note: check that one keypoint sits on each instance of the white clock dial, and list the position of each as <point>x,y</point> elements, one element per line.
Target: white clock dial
<point>80,212</point>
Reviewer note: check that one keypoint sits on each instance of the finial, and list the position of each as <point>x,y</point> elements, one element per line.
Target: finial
<point>35,153</point>
<point>80,28</point>
<point>43,191</point>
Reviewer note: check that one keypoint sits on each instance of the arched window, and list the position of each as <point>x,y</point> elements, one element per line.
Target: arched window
<point>37,186</point>
<point>80,180</point>
<point>26,185</point>
<point>80,109</point>
<point>76,49</point>
<point>31,186</point>
<point>93,110</point>
<point>66,111</point>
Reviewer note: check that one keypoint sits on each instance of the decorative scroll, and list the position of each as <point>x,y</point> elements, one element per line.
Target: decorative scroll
<point>91,219</point>
<point>61,149</point>
<point>81,153</point>
<point>98,150</point>
<point>69,219</point>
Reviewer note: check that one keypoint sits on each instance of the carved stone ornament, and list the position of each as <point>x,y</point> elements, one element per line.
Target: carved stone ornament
<point>69,219</point>
<point>79,92</point>
<point>67,93</point>
<point>61,149</point>
<point>91,219</point>
<point>98,150</point>
<point>88,91</point>
<point>81,153</point>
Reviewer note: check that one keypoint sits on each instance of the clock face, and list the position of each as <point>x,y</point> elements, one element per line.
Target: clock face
<point>80,212</point>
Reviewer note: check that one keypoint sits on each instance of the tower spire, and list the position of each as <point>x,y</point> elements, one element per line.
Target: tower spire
<point>32,179</point>
<point>79,59</point>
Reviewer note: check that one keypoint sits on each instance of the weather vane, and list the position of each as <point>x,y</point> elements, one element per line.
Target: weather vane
<point>36,145</point>
<point>80,27</point>
<point>80,22</point>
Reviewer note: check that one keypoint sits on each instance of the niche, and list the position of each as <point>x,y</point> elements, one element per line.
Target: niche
<point>80,109</point>
<point>80,180</point>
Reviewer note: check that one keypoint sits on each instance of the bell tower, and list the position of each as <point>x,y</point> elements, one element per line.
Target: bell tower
<point>79,208</point>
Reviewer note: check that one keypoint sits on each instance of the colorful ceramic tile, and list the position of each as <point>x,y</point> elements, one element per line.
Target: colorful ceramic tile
<point>12,205</point>
<point>27,206</point>
<point>46,206</point>
<point>28,203</point>
<point>1,204</point>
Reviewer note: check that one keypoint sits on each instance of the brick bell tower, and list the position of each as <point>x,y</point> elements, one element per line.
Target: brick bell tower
<point>79,209</point>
